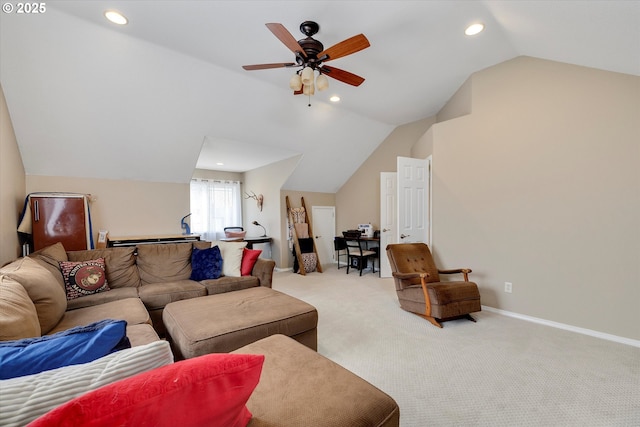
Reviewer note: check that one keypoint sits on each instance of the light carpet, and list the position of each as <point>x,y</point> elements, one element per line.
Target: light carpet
<point>500,371</point>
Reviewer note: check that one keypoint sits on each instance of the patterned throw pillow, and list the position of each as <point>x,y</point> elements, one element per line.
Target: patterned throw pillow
<point>206,263</point>
<point>84,277</point>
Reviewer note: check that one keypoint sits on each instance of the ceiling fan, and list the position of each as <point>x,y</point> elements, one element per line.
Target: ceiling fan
<point>310,56</point>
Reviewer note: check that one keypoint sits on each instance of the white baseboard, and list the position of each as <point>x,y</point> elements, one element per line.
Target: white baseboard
<point>596,334</point>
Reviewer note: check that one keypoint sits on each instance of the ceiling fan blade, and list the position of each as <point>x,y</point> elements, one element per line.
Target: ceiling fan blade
<point>286,38</point>
<point>345,47</point>
<point>342,75</point>
<point>266,66</point>
<point>297,92</point>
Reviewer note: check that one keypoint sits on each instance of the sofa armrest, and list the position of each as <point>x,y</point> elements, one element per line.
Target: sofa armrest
<point>263,270</point>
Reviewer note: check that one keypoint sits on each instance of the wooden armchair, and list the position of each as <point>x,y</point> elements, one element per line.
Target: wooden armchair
<point>420,290</point>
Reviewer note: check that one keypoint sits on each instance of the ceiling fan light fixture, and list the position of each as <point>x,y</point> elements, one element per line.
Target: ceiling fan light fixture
<point>309,89</point>
<point>296,82</point>
<point>307,76</point>
<point>322,82</point>
<point>474,29</point>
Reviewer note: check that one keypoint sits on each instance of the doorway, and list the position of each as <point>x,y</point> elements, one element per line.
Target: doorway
<point>405,206</point>
<point>324,229</point>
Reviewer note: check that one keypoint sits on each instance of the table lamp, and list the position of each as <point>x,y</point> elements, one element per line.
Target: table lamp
<point>259,225</point>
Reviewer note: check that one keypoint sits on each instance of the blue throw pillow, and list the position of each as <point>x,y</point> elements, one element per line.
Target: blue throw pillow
<point>74,346</point>
<point>206,263</point>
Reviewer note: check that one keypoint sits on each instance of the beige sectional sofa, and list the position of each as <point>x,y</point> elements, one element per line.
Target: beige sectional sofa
<point>297,387</point>
<point>141,280</point>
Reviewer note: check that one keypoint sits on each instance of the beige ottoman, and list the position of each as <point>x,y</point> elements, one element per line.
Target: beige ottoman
<point>224,322</point>
<point>299,387</point>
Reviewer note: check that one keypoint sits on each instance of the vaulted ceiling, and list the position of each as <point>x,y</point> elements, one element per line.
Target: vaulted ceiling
<point>166,93</point>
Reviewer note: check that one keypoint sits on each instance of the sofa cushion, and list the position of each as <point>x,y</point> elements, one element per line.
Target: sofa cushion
<point>43,289</point>
<point>206,263</point>
<point>18,315</point>
<point>130,309</point>
<point>71,347</point>
<point>211,390</point>
<point>26,398</point>
<point>168,262</point>
<point>249,258</point>
<point>120,264</point>
<point>50,258</point>
<point>102,297</point>
<point>84,278</point>
<point>231,257</point>
<point>228,284</point>
<point>141,334</point>
<point>157,295</point>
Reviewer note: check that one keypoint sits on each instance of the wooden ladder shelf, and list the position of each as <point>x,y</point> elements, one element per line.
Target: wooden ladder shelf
<point>296,243</point>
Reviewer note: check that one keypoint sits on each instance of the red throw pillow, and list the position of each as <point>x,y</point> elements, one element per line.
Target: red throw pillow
<point>210,390</point>
<point>249,258</point>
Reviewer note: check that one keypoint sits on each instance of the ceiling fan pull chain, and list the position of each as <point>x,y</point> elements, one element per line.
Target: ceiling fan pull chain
<point>309,101</point>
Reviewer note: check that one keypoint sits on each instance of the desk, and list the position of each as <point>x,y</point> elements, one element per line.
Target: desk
<point>377,246</point>
<point>367,241</point>
<point>253,240</point>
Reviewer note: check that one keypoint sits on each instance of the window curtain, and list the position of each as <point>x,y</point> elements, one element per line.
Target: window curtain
<point>214,206</point>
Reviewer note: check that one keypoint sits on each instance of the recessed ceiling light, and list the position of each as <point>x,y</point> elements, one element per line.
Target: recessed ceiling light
<point>474,29</point>
<point>220,164</point>
<point>115,17</point>
<point>334,98</point>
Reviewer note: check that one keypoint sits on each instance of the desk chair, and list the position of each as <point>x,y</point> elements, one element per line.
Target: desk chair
<point>237,232</point>
<point>357,253</point>
<point>340,246</point>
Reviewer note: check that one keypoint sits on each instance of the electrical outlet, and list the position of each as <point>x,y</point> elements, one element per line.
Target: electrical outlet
<point>508,287</point>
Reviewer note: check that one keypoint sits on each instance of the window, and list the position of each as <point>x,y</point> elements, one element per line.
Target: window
<point>214,205</point>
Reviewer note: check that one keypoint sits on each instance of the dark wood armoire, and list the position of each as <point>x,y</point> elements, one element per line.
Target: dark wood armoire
<point>61,218</point>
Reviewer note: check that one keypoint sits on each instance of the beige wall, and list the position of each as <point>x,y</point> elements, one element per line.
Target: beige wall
<point>268,181</point>
<point>12,186</point>
<point>358,200</point>
<point>125,208</point>
<point>540,186</point>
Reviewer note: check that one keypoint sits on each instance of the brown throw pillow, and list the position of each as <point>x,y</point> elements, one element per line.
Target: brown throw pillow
<point>43,289</point>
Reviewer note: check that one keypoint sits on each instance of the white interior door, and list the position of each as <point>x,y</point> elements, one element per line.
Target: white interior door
<point>413,200</point>
<point>323,222</point>
<point>388,218</point>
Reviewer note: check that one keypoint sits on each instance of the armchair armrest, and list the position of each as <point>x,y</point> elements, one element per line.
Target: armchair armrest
<point>464,271</point>
<point>406,276</point>
<point>403,276</point>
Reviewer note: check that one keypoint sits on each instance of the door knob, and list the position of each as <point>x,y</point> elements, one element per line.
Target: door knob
<point>402,236</point>
<point>384,230</point>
